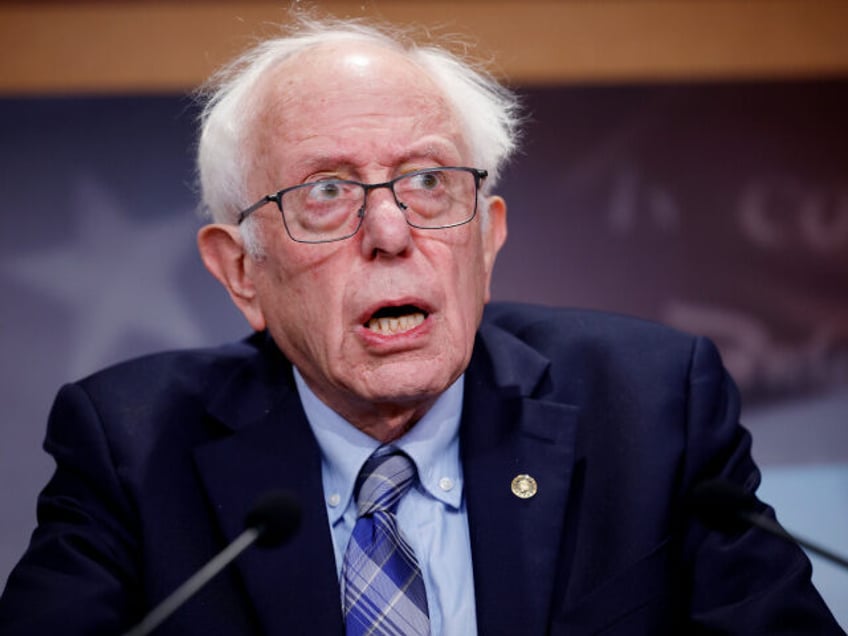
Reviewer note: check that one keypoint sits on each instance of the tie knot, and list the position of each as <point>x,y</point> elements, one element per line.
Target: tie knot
<point>384,479</point>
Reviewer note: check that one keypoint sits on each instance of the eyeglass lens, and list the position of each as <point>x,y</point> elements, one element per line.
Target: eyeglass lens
<point>333,209</point>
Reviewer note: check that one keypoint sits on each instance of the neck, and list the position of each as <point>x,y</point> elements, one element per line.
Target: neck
<point>387,429</point>
<point>385,421</point>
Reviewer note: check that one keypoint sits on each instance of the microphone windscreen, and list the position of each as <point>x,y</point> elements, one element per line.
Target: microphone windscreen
<point>721,504</point>
<point>277,517</point>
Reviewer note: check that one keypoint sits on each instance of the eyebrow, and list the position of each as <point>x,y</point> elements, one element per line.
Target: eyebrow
<point>431,151</point>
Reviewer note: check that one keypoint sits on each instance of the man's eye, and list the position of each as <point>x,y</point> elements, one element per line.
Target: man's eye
<point>427,180</point>
<point>325,191</point>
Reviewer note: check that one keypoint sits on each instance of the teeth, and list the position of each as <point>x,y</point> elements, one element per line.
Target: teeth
<point>386,326</point>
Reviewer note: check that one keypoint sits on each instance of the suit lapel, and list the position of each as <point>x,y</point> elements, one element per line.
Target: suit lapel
<point>507,431</point>
<point>294,588</point>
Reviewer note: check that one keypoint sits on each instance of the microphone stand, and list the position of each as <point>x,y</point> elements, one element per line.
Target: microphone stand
<point>185,591</point>
<point>766,523</point>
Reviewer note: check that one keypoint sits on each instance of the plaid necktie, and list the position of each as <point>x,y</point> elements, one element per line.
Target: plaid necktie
<point>382,587</point>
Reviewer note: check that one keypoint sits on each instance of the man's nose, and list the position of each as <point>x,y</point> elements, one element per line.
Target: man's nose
<point>385,230</point>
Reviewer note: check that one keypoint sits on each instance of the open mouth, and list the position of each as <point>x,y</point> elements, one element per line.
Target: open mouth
<point>389,321</point>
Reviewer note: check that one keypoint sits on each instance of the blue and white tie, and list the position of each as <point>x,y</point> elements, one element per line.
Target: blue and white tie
<point>382,587</point>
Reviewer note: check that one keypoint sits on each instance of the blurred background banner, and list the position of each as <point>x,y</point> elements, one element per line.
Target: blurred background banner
<point>683,161</point>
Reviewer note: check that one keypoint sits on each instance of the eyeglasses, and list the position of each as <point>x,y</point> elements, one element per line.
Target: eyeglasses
<point>333,209</point>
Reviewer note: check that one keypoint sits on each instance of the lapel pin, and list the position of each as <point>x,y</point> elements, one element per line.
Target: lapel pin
<point>524,486</point>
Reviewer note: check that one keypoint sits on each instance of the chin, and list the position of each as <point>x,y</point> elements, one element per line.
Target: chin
<point>406,383</point>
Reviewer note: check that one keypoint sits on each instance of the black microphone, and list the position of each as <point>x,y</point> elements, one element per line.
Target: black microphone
<point>274,519</point>
<point>726,507</point>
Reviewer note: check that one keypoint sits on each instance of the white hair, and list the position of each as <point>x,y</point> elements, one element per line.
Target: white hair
<point>488,111</point>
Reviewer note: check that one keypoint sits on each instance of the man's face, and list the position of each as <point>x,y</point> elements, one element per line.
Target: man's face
<point>363,113</point>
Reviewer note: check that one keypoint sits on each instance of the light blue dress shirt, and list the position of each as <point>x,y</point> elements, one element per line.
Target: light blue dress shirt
<point>431,515</point>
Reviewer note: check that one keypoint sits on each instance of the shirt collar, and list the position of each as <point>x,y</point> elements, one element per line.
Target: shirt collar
<point>433,445</point>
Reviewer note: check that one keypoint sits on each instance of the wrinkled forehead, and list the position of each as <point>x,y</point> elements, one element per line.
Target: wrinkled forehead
<point>314,87</point>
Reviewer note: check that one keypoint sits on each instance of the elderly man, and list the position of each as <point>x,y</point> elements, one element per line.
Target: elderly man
<point>522,472</point>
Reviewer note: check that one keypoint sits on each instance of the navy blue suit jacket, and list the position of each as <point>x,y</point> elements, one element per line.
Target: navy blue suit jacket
<point>159,459</point>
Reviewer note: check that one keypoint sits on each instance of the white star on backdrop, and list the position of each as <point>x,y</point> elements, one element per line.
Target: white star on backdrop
<point>116,275</point>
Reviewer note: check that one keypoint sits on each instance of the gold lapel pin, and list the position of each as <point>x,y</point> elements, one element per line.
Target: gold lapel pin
<point>524,486</point>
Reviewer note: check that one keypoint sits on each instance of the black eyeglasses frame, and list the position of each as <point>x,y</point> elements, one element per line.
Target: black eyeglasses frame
<point>277,197</point>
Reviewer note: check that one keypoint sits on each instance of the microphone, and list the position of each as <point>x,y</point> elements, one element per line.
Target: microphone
<point>272,520</point>
<point>724,506</point>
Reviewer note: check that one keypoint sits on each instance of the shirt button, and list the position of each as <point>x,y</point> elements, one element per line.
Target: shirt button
<point>334,500</point>
<point>446,483</point>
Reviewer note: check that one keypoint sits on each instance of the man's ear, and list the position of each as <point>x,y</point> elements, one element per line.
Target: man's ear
<point>223,252</point>
<point>494,236</point>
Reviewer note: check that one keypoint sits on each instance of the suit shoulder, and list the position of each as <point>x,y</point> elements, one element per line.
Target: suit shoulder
<point>572,339</point>
<point>137,403</point>
<point>535,323</point>
<point>174,369</point>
